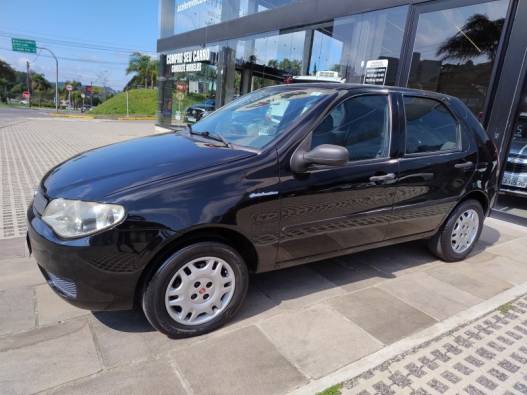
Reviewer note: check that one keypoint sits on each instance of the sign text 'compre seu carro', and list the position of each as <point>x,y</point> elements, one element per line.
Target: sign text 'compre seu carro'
<point>188,61</point>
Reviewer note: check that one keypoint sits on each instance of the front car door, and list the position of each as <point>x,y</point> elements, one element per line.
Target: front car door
<point>438,161</point>
<point>330,209</point>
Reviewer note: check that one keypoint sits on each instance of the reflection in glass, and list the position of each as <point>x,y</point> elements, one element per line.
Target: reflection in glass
<point>194,14</point>
<point>455,49</point>
<point>513,198</point>
<point>348,43</point>
<point>260,117</point>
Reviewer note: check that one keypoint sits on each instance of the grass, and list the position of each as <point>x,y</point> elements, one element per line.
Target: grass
<point>505,308</point>
<point>333,390</point>
<point>141,102</point>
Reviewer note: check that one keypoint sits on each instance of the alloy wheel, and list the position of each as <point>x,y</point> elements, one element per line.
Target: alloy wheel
<point>465,231</point>
<point>200,291</point>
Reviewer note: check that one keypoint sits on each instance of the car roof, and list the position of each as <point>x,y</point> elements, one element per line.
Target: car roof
<point>360,88</point>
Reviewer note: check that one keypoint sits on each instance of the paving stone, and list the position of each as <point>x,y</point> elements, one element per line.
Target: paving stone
<point>348,274</point>
<point>436,298</point>
<point>296,287</point>
<point>319,340</point>
<point>381,314</point>
<point>32,362</point>
<point>240,362</point>
<point>52,309</point>
<point>17,310</point>
<point>120,336</point>
<point>152,377</point>
<point>398,260</point>
<point>13,248</point>
<point>470,279</point>
<point>19,272</point>
<point>438,366</point>
<point>514,249</point>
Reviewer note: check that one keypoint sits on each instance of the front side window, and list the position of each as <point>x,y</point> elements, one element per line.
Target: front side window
<point>361,124</point>
<point>430,127</point>
<point>256,119</point>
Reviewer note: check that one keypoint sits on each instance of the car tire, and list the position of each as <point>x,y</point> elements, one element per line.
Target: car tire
<point>460,232</point>
<point>196,290</point>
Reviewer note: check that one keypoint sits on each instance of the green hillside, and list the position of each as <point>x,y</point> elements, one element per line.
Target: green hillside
<point>141,102</point>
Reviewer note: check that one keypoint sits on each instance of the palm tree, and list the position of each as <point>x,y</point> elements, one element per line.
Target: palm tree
<point>140,65</point>
<point>153,71</point>
<point>478,36</point>
<point>39,83</point>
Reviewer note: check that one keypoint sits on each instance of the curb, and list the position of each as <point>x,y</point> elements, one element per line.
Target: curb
<point>355,368</point>
<point>73,116</point>
<point>145,118</point>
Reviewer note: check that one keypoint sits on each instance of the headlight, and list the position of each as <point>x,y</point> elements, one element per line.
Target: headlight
<point>75,218</point>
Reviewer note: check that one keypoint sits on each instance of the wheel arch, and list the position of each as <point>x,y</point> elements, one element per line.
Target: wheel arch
<point>228,236</point>
<point>480,196</point>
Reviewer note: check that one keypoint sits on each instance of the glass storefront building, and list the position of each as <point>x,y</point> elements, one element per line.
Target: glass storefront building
<point>213,51</point>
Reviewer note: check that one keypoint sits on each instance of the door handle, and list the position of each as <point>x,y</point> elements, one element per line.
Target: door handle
<point>384,177</point>
<point>464,165</point>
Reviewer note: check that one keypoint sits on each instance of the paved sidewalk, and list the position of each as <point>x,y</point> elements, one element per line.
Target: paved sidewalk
<point>298,326</point>
<point>30,147</point>
<point>486,356</point>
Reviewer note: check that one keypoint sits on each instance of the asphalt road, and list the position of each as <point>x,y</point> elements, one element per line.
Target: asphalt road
<point>14,115</point>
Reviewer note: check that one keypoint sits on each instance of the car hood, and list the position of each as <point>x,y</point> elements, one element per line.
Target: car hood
<point>95,174</point>
<point>518,148</point>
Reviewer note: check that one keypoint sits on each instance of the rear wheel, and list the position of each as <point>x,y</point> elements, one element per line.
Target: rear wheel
<point>196,290</point>
<point>458,236</point>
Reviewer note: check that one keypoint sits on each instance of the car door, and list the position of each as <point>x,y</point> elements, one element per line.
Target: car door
<point>438,160</point>
<point>328,209</point>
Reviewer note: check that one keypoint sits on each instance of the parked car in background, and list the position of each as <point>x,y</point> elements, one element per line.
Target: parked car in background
<point>197,111</point>
<point>514,181</point>
<point>174,223</point>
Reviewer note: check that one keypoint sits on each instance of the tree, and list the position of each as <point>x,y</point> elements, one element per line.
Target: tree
<point>6,72</point>
<point>39,83</point>
<point>140,65</point>
<point>478,36</point>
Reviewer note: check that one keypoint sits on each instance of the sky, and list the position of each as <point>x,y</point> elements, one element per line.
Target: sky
<point>72,28</point>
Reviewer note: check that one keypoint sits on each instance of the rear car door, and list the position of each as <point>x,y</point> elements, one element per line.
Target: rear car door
<point>438,160</point>
<point>330,209</point>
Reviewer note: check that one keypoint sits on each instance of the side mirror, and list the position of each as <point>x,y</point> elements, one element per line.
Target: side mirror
<point>325,154</point>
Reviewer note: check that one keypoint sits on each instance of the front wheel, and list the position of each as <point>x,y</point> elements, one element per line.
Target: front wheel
<point>458,236</point>
<point>196,290</point>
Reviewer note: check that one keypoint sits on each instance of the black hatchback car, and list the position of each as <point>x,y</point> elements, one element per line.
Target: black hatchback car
<point>174,223</point>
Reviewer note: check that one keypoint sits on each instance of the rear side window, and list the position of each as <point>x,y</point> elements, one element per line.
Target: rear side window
<point>430,127</point>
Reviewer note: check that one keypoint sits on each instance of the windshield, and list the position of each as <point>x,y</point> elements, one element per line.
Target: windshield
<point>256,119</point>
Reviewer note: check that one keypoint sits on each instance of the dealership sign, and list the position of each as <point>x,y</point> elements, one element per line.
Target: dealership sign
<point>375,73</point>
<point>188,61</point>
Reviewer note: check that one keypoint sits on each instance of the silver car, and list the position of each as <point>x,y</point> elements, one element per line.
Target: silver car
<point>514,180</point>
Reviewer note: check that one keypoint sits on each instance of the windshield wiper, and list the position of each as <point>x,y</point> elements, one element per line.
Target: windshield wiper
<point>210,136</point>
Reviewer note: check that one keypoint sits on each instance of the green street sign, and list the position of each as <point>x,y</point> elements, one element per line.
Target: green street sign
<point>23,45</point>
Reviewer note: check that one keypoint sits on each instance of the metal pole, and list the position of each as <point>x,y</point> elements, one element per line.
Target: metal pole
<point>127,112</point>
<point>28,81</point>
<point>56,78</point>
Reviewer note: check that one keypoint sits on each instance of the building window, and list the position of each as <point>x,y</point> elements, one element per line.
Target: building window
<point>455,49</point>
<point>347,44</point>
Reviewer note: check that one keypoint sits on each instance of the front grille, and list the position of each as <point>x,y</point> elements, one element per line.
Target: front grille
<point>39,203</point>
<point>67,287</point>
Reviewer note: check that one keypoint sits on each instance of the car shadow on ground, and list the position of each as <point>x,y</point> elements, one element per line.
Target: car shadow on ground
<point>301,285</point>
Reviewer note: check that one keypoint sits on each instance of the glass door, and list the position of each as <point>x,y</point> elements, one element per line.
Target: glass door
<point>513,188</point>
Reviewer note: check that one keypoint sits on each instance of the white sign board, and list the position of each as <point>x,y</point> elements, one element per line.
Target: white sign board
<point>188,61</point>
<point>376,70</point>
<point>69,87</point>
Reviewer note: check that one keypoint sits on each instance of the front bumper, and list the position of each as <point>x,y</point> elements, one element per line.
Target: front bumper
<point>96,272</point>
